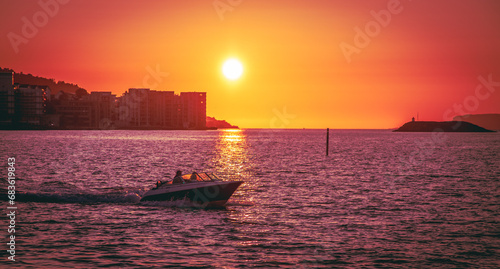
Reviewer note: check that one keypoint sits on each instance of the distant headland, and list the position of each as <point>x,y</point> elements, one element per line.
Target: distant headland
<point>440,126</point>
<point>213,123</point>
<point>488,121</point>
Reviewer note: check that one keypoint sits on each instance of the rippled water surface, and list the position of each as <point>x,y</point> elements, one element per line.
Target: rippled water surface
<point>380,199</point>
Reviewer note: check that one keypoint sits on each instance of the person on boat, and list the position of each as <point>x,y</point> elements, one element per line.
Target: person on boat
<point>178,177</point>
<point>193,177</point>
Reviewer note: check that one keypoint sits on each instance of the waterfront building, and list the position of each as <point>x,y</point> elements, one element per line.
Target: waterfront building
<point>30,104</point>
<point>147,109</point>
<point>103,109</point>
<point>6,98</point>
<point>193,110</point>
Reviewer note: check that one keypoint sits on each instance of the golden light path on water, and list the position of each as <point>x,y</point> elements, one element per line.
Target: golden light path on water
<point>232,153</point>
<point>232,160</point>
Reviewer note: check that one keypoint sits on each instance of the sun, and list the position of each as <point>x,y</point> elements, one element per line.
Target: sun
<point>232,69</point>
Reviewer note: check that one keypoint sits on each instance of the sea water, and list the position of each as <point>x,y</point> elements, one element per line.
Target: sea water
<point>379,199</point>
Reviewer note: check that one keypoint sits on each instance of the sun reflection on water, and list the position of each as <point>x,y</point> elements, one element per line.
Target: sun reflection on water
<point>231,156</point>
<point>234,162</point>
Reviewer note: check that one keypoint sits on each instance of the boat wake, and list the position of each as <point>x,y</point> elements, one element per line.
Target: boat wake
<point>110,197</point>
<point>124,197</point>
<point>67,192</point>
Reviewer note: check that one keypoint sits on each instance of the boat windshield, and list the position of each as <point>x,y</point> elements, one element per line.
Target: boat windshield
<point>201,177</point>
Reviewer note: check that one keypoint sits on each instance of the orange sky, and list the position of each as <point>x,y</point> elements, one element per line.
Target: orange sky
<point>426,59</point>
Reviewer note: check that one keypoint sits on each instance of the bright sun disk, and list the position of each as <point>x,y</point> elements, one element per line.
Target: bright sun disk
<point>232,69</point>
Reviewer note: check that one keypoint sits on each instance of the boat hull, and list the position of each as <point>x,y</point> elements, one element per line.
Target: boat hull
<point>202,194</point>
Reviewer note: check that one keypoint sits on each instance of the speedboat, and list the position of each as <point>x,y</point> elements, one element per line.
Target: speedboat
<point>202,189</point>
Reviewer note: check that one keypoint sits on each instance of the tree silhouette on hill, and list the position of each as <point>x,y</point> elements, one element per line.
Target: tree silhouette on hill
<point>54,86</point>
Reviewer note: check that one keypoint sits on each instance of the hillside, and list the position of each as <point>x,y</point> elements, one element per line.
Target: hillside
<point>488,121</point>
<point>213,123</point>
<point>55,87</point>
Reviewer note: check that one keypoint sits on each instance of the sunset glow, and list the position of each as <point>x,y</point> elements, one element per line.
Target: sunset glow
<point>337,64</point>
<point>250,133</point>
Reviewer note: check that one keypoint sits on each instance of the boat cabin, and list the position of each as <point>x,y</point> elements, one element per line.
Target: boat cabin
<point>200,177</point>
<point>191,178</point>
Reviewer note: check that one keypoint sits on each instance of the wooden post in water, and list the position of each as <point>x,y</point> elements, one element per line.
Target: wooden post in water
<point>327,139</point>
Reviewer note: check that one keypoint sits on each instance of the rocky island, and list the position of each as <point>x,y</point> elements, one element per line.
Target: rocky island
<point>440,126</point>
